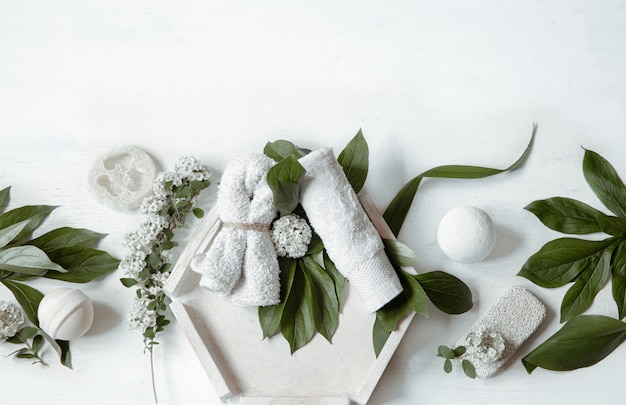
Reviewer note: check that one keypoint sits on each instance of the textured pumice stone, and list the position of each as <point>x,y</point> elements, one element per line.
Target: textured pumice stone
<point>65,313</point>
<point>515,316</point>
<point>466,234</point>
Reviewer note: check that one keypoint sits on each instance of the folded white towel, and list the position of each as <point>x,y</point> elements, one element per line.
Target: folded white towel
<point>349,236</point>
<point>241,261</point>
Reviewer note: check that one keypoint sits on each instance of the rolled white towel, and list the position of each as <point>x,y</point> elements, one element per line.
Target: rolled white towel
<point>349,236</point>
<point>241,261</point>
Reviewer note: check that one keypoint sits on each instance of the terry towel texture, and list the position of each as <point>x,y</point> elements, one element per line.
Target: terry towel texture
<point>349,236</point>
<point>241,261</point>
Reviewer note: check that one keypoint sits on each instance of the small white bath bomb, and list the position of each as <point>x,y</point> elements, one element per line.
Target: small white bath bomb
<point>65,313</point>
<point>466,234</point>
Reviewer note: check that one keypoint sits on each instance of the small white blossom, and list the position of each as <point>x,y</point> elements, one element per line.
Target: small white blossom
<point>11,318</point>
<point>133,263</point>
<point>291,236</point>
<point>132,242</point>
<point>152,205</point>
<point>141,317</point>
<point>150,228</point>
<point>185,165</point>
<point>484,345</point>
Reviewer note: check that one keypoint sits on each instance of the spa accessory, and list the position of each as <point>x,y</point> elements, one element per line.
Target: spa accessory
<point>351,240</point>
<point>65,313</point>
<point>122,177</point>
<point>497,335</point>
<point>241,261</point>
<point>466,234</point>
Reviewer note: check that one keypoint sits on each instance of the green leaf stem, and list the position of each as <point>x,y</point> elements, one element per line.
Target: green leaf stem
<point>448,293</point>
<point>83,263</point>
<point>284,180</point>
<point>399,254</point>
<point>28,298</point>
<point>354,159</point>
<point>66,236</point>
<point>605,183</point>
<point>399,206</point>
<point>560,261</point>
<point>581,342</point>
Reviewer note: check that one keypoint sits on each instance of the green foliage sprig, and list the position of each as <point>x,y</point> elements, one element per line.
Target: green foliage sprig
<point>147,263</point>
<point>456,354</point>
<point>62,254</point>
<point>589,265</point>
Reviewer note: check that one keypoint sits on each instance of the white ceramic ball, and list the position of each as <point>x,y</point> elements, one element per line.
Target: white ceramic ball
<point>466,234</point>
<point>65,313</point>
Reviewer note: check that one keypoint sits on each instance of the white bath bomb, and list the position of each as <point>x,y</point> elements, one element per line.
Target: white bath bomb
<point>65,313</point>
<point>466,234</point>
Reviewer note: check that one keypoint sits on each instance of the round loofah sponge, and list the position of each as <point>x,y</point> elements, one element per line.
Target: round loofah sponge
<point>122,177</point>
<point>466,234</point>
<point>65,313</point>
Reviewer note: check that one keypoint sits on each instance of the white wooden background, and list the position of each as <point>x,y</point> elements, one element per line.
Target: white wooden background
<point>429,83</point>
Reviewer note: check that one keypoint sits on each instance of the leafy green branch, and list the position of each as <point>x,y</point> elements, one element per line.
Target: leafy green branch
<point>588,264</point>
<point>456,354</point>
<point>64,254</point>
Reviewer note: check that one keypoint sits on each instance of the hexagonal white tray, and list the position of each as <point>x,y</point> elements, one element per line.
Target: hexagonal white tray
<point>247,369</point>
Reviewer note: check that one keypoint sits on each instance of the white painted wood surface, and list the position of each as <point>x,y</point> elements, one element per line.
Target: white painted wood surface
<point>429,83</point>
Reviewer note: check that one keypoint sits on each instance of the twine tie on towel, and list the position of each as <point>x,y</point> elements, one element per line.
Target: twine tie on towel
<point>241,262</point>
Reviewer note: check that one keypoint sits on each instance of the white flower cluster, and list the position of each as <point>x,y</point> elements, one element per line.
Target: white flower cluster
<point>291,235</point>
<point>484,345</point>
<point>147,253</point>
<point>11,318</point>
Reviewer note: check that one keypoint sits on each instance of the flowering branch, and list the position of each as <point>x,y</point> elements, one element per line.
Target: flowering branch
<point>149,249</point>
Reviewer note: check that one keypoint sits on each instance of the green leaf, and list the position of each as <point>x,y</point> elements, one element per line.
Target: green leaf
<point>10,233</point>
<point>447,366</point>
<point>445,352</point>
<point>354,160</point>
<point>62,347</point>
<point>605,183</point>
<point>325,304</point>
<point>27,332</point>
<point>448,293</point>
<point>379,336</point>
<point>66,236</point>
<point>412,297</point>
<point>468,369</point>
<point>581,295</point>
<point>460,351</point>
<point>37,213</point>
<point>281,149</point>
<point>4,197</point>
<point>399,254</point>
<point>581,342</point>
<point>298,324</point>
<point>83,263</point>
<point>198,212</point>
<point>128,282</point>
<point>28,260</point>
<point>37,343</point>
<point>270,316</point>
<point>566,215</point>
<point>618,281</point>
<point>28,298</point>
<point>284,180</point>
<point>399,206</point>
<point>614,226</point>
<point>337,277</point>
<point>560,261</point>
